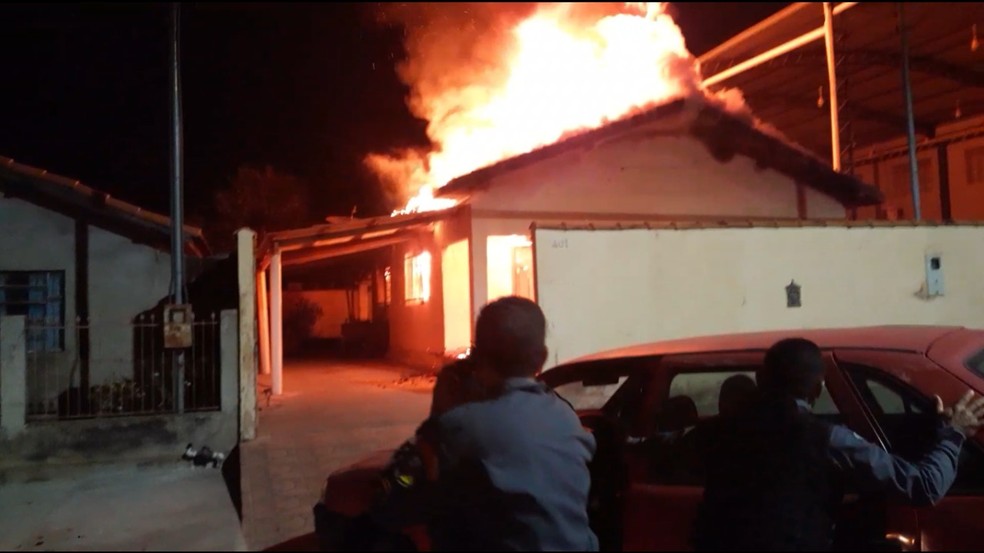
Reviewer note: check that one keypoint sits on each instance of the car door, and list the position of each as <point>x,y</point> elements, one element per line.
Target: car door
<point>902,414</point>
<point>660,513</point>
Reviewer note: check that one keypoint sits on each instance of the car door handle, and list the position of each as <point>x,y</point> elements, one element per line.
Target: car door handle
<point>904,541</point>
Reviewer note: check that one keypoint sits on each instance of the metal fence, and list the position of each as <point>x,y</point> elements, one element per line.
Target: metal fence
<point>98,369</point>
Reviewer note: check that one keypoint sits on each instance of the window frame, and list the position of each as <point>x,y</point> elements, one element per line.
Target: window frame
<point>972,154</point>
<point>36,332</point>
<point>901,388</point>
<point>414,278</point>
<point>975,363</point>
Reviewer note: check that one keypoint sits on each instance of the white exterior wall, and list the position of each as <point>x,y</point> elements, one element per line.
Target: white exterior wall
<point>417,329</point>
<point>605,289</point>
<point>662,175</point>
<point>35,239</point>
<point>125,278</point>
<point>631,179</point>
<point>334,310</point>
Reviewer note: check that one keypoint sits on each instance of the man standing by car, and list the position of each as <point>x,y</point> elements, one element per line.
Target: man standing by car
<point>775,473</point>
<point>509,472</point>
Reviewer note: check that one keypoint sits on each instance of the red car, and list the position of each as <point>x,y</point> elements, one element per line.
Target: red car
<point>880,382</point>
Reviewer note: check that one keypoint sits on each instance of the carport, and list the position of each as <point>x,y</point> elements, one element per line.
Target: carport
<point>279,250</point>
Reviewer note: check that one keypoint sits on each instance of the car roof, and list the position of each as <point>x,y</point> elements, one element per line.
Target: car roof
<point>908,338</point>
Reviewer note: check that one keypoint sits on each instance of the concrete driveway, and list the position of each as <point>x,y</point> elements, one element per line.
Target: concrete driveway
<point>331,414</point>
<point>169,507</point>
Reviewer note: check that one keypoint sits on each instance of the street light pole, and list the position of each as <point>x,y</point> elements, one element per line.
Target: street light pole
<point>909,117</point>
<point>177,184</point>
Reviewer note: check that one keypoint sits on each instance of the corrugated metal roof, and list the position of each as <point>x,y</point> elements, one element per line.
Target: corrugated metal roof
<point>352,236</point>
<point>366,228</point>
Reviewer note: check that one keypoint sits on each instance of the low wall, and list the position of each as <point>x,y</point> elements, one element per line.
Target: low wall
<point>36,449</point>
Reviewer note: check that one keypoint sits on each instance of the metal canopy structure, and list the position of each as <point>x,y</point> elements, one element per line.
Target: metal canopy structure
<point>313,245</point>
<point>791,90</point>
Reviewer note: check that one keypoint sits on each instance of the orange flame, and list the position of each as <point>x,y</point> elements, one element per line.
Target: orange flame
<point>564,72</point>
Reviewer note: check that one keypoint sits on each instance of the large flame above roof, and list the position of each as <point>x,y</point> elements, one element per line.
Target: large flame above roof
<point>534,78</point>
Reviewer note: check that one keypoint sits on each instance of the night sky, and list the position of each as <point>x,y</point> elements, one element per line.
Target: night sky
<point>308,89</point>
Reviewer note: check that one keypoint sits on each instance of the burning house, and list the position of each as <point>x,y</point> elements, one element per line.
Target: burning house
<point>579,131</point>
<point>686,160</point>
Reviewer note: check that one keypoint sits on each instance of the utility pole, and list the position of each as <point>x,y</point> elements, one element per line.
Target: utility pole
<point>909,117</point>
<point>177,317</point>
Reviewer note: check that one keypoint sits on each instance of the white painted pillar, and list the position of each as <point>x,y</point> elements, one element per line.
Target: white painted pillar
<point>263,309</point>
<point>277,324</point>
<point>246,330</point>
<point>13,375</point>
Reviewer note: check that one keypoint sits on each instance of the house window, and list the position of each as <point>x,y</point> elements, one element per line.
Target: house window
<point>416,277</point>
<point>974,158</point>
<point>387,287</point>
<point>40,297</point>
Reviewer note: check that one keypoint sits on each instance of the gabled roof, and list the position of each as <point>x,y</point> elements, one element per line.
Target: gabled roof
<point>73,199</point>
<point>724,134</point>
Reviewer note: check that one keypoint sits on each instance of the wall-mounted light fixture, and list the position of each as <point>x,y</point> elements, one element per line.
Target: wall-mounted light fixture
<point>793,297</point>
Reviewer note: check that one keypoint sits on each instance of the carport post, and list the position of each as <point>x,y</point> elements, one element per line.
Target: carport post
<point>263,309</point>
<point>828,35</point>
<point>276,324</point>
<point>238,341</point>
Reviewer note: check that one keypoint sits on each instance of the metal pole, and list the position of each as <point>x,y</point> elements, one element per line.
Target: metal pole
<point>828,34</point>
<point>909,117</point>
<point>277,323</point>
<point>774,53</point>
<point>177,178</point>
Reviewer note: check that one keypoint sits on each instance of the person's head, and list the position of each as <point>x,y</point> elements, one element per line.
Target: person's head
<point>510,337</point>
<point>735,393</point>
<point>793,367</point>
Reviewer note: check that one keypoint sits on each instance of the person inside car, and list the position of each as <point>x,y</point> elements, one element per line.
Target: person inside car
<point>673,451</point>
<point>508,471</point>
<point>686,465</point>
<point>776,473</point>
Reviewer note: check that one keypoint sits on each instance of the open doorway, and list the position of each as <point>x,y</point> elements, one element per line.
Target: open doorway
<point>510,267</point>
<point>456,285</point>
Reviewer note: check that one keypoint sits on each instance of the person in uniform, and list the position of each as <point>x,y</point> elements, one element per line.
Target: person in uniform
<point>775,473</point>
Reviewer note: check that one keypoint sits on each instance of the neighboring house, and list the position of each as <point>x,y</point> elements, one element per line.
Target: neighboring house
<point>951,174</point>
<point>80,266</point>
<point>790,89</point>
<point>687,160</point>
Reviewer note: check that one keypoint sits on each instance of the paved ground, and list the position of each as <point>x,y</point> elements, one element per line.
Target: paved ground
<point>121,508</point>
<point>331,414</point>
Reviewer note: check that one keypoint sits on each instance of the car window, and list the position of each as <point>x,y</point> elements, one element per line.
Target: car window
<point>976,363</point>
<point>704,388</point>
<point>585,396</point>
<point>889,401</point>
<point>907,421</point>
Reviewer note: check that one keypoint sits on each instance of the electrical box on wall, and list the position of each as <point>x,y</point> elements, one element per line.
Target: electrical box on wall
<point>177,326</point>
<point>934,275</point>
